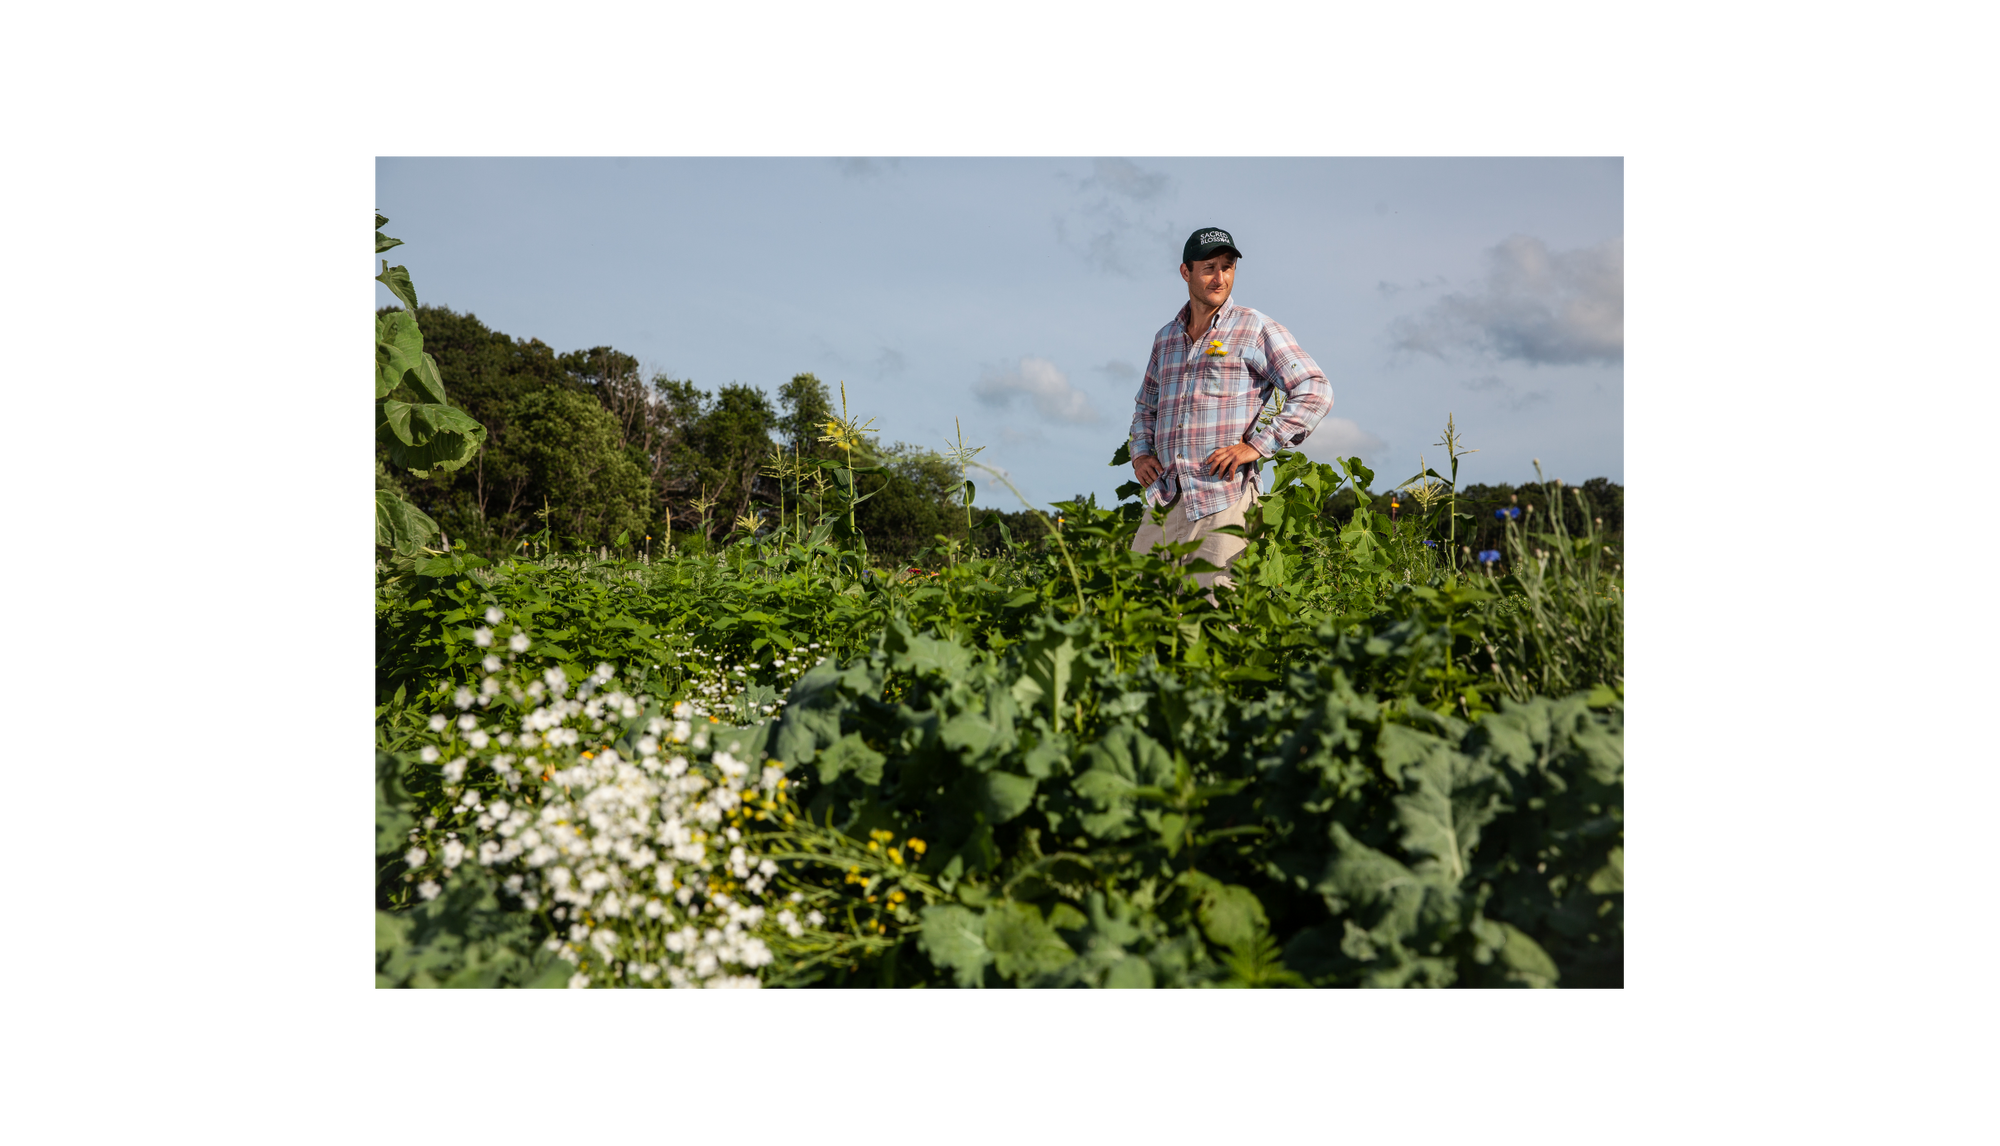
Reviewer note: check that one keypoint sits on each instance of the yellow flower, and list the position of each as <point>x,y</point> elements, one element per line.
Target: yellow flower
<point>895,856</point>
<point>917,846</point>
<point>873,846</point>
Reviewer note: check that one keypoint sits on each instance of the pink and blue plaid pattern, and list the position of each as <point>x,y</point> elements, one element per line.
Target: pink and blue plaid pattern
<point>1195,400</point>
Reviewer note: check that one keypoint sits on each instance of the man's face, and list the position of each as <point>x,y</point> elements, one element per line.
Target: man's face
<point>1210,280</point>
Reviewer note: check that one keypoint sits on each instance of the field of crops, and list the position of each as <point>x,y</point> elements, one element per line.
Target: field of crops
<point>1381,759</point>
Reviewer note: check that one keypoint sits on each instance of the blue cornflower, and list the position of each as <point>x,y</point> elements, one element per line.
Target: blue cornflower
<point>1506,512</point>
<point>1431,544</point>
<point>1489,556</point>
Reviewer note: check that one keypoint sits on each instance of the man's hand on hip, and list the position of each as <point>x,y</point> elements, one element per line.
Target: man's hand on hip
<point>1146,469</point>
<point>1226,458</point>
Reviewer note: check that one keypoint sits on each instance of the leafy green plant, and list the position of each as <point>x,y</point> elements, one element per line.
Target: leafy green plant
<point>423,431</point>
<point>763,758</point>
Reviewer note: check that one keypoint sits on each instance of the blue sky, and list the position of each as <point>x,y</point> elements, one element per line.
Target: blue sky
<point>1021,295</point>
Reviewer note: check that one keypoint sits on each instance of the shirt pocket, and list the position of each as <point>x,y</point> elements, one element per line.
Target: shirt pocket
<point>1225,375</point>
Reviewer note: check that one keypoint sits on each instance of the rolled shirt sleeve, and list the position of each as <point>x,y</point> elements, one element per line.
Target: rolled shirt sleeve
<point>1308,396</point>
<point>1145,405</point>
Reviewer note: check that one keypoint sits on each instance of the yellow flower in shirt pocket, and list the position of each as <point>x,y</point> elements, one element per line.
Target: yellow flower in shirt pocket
<point>1215,348</point>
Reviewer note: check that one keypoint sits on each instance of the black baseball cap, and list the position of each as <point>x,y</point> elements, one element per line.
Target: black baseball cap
<point>1205,242</point>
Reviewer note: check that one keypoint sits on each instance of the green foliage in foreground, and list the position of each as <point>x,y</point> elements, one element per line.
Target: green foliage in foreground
<point>1060,766</point>
<point>417,427</point>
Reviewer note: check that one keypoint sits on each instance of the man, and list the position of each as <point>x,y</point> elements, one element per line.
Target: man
<point>1195,439</point>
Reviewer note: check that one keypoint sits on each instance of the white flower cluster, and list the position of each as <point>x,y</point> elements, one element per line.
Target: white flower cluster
<point>631,852</point>
<point>717,685</point>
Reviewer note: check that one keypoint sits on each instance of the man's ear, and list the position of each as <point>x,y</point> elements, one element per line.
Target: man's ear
<point>1184,272</point>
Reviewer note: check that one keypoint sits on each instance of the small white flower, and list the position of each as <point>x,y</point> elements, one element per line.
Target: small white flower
<point>815,918</point>
<point>429,889</point>
<point>518,642</point>
<point>492,664</point>
<point>454,854</point>
<point>454,770</point>
<point>438,722</point>
<point>467,723</point>
<point>415,857</point>
<point>579,981</point>
<point>463,697</point>
<point>477,738</point>
<point>494,616</point>
<point>482,637</point>
<point>428,754</point>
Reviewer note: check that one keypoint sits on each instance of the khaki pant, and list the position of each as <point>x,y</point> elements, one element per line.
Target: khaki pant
<point>1216,548</point>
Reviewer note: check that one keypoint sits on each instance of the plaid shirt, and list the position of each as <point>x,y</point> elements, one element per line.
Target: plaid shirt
<point>1194,401</point>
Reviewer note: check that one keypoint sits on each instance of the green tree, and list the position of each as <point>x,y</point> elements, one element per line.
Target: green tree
<point>806,406</point>
<point>726,440</point>
<point>492,502</point>
<point>575,452</point>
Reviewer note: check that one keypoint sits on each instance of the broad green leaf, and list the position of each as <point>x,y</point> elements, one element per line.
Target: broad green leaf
<point>1130,973</point>
<point>1022,943</point>
<point>954,938</point>
<point>440,449</point>
<point>851,754</point>
<point>401,526</point>
<point>382,241</point>
<point>425,380</point>
<point>1448,798</point>
<point>1122,456</point>
<point>1047,659</point>
<point>397,279</point>
<point>396,415</point>
<point>917,654</point>
<point>1231,916</point>
<point>1004,795</point>
<point>968,732</point>
<point>1120,763</point>
<point>399,348</point>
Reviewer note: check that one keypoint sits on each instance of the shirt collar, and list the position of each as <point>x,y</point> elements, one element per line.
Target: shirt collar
<point>1221,315</point>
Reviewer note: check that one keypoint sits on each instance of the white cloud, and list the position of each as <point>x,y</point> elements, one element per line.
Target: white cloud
<point>1037,379</point>
<point>1536,305</point>
<point>1340,438</point>
<point>1120,371</point>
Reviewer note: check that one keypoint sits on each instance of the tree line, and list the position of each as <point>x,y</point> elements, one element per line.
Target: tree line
<point>583,445</point>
